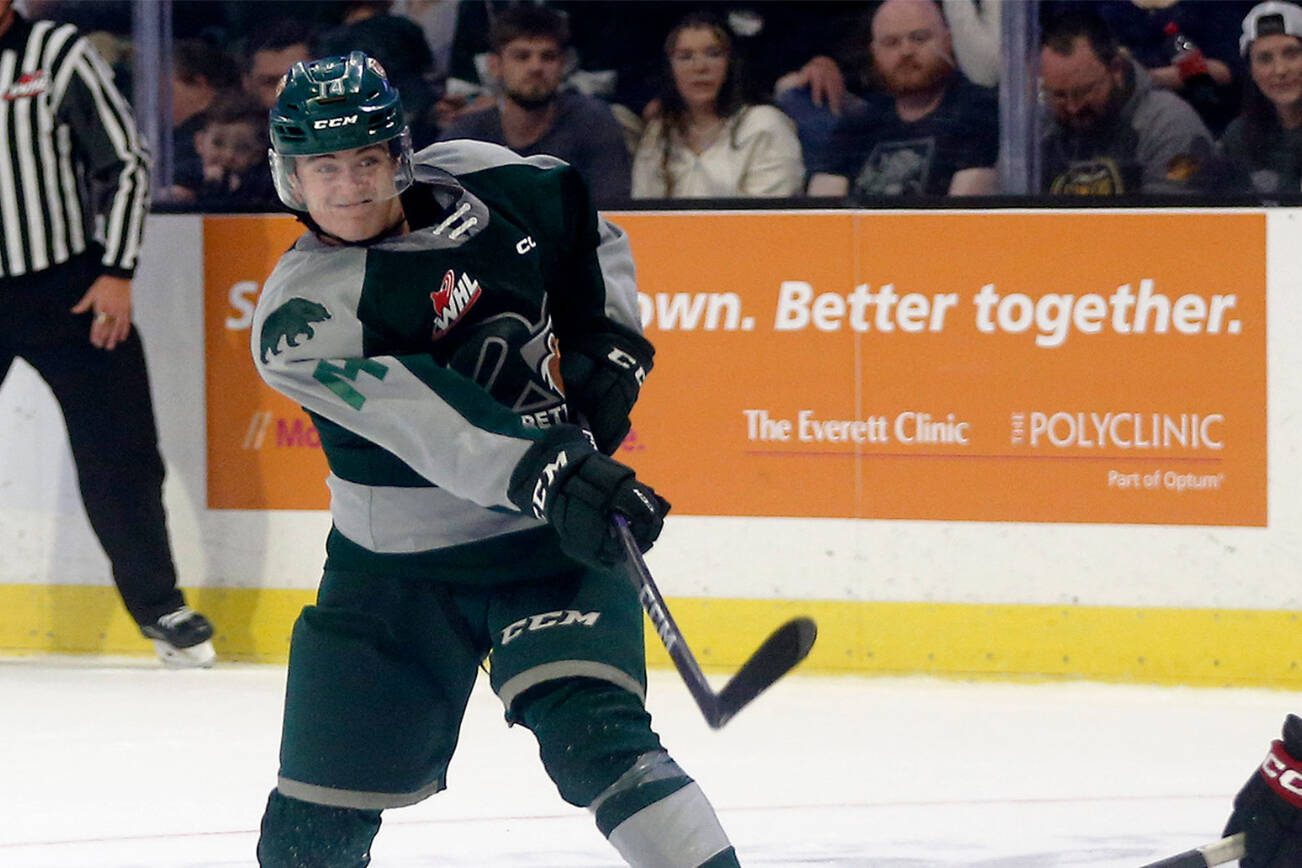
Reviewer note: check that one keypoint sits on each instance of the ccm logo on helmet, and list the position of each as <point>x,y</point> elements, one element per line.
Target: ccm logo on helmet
<point>346,121</point>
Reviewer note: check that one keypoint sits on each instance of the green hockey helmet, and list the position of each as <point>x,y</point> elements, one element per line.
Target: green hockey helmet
<point>336,104</point>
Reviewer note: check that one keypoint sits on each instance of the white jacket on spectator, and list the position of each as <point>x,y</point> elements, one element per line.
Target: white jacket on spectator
<point>756,154</point>
<point>975,29</point>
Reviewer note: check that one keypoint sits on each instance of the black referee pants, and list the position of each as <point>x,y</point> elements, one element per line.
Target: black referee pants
<point>104,396</point>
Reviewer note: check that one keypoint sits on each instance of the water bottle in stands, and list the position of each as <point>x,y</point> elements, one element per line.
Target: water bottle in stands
<point>1191,64</point>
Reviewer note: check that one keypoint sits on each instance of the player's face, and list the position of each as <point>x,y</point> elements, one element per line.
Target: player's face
<point>699,61</point>
<point>530,70</point>
<point>350,194</point>
<point>911,48</point>
<point>1276,66</point>
<point>1081,88</point>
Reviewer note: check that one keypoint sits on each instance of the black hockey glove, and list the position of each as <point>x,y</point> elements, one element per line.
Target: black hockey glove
<point>578,491</point>
<point>603,375</point>
<point>1269,807</point>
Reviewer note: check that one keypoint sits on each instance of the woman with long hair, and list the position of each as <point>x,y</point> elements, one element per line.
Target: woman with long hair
<point>1264,143</point>
<point>708,140</point>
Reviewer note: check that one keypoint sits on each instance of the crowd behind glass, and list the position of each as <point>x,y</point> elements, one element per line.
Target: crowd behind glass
<point>824,102</point>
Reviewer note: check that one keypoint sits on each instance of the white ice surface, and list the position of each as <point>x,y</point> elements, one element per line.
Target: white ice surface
<point>116,764</point>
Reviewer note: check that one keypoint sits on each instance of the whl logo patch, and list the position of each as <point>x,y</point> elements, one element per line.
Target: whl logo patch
<point>451,301</point>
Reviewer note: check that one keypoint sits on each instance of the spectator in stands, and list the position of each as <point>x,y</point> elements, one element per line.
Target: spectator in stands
<point>468,86</point>
<point>1264,144</point>
<point>230,171</point>
<point>831,85</point>
<point>534,115</point>
<point>270,54</point>
<point>1208,81</point>
<point>200,73</point>
<point>707,141</point>
<point>399,45</point>
<point>772,37</point>
<point>619,47</point>
<point>1110,131</point>
<point>825,89</point>
<point>932,132</point>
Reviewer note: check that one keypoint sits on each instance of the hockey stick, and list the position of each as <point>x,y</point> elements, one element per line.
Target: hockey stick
<point>1215,853</point>
<point>781,651</point>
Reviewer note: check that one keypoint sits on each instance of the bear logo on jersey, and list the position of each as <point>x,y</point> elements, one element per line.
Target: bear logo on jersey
<point>451,301</point>
<point>292,320</point>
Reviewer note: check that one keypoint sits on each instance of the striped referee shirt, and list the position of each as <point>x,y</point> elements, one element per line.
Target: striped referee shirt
<point>73,169</point>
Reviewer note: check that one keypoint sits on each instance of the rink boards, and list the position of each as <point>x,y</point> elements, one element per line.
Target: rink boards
<point>1197,647</point>
<point>1014,444</point>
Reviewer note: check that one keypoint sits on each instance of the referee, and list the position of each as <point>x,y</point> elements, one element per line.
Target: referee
<point>74,192</point>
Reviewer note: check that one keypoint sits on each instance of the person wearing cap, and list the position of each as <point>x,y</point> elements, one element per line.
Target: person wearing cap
<point>449,321</point>
<point>1263,145</point>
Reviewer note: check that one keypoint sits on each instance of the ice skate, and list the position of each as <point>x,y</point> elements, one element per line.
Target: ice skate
<point>182,639</point>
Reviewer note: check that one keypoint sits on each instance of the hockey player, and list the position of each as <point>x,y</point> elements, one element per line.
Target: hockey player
<point>445,321</point>
<point>1268,810</point>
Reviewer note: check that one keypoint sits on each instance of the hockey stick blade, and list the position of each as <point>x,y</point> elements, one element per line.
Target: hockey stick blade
<point>1215,853</point>
<point>781,651</point>
<point>786,647</point>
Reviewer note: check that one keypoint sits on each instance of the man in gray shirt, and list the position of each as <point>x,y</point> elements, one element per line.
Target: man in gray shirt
<point>534,116</point>
<point>1110,131</point>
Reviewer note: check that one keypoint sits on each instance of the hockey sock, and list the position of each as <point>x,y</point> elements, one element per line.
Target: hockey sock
<point>655,815</point>
<point>596,743</point>
<point>296,834</point>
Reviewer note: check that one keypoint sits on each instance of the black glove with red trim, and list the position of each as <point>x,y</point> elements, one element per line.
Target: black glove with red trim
<point>603,376</point>
<point>578,491</point>
<point>1268,810</point>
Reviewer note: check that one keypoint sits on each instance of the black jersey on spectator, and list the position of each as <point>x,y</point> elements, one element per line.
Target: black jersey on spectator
<point>883,155</point>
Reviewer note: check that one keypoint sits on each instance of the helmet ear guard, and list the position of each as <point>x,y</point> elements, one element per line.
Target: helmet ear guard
<point>336,104</point>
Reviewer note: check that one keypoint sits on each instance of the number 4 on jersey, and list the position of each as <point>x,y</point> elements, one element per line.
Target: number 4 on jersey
<point>337,378</point>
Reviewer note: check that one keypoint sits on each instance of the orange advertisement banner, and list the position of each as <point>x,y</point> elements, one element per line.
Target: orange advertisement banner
<point>1055,367</point>
<point>263,453</point>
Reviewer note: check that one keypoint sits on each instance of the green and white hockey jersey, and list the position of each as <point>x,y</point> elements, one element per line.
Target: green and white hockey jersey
<point>429,361</point>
